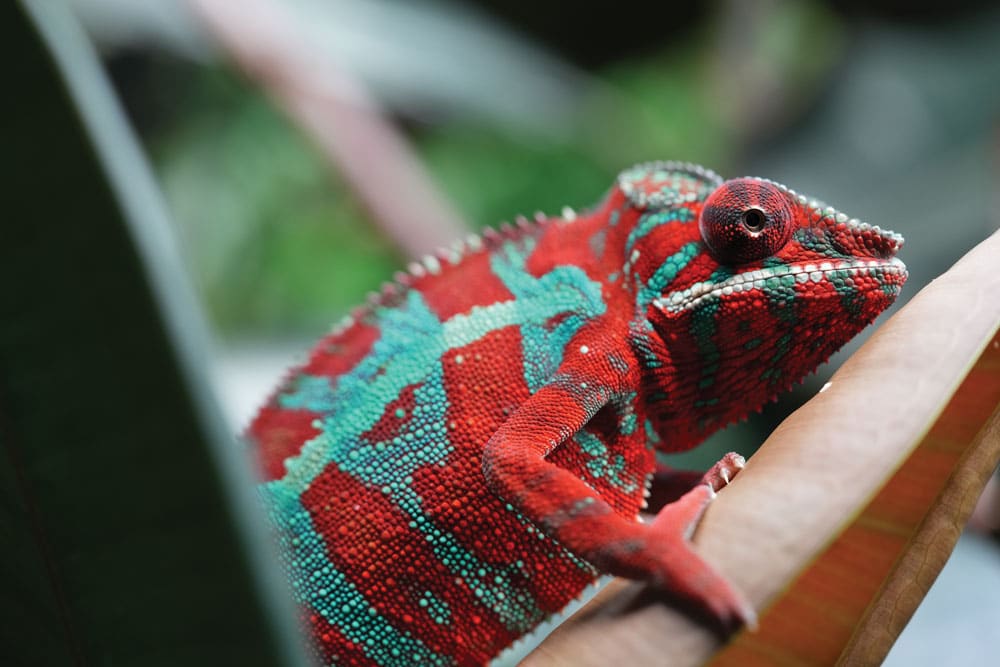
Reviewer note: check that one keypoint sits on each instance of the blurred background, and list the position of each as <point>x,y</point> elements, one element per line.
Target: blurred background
<point>308,149</point>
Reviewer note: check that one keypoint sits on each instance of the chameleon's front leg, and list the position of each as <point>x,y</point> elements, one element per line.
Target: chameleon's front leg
<point>516,469</point>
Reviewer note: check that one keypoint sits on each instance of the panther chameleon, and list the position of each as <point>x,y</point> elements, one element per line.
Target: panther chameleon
<point>469,450</point>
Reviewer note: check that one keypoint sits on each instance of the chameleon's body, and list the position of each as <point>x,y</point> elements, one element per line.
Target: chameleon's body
<point>465,454</point>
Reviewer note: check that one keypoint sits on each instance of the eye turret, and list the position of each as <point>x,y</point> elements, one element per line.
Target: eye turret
<point>745,220</point>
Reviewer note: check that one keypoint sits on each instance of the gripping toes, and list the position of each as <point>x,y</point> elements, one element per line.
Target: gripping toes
<point>724,471</point>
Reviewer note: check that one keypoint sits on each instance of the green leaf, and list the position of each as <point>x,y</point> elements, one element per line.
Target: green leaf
<point>127,516</point>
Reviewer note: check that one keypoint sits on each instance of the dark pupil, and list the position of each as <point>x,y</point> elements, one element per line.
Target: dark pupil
<point>754,219</point>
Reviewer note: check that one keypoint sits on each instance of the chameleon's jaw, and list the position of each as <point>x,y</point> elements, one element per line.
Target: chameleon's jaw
<point>886,272</point>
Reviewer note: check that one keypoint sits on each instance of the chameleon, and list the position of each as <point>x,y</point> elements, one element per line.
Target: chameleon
<point>469,450</point>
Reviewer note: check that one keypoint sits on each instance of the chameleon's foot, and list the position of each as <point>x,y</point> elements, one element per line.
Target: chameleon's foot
<point>682,570</point>
<point>724,470</point>
<point>669,485</point>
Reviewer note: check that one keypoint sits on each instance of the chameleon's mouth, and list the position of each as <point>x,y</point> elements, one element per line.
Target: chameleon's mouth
<point>841,272</point>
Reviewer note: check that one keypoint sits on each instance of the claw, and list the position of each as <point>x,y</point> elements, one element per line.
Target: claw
<point>723,472</point>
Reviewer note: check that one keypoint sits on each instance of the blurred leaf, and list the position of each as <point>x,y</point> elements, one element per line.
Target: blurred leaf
<point>127,514</point>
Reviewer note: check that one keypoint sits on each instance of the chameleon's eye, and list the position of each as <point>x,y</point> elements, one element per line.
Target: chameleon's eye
<point>745,220</point>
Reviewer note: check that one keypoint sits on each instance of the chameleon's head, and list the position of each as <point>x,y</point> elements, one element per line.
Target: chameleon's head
<point>755,288</point>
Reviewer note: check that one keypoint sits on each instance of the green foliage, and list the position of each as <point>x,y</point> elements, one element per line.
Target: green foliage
<point>274,237</point>
<point>493,176</point>
<point>126,513</point>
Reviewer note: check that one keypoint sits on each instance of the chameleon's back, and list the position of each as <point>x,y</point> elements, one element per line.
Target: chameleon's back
<point>397,551</point>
